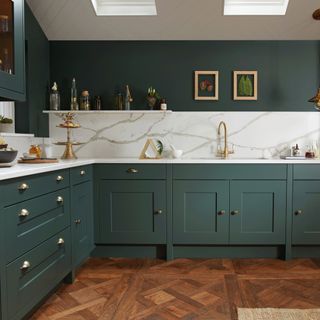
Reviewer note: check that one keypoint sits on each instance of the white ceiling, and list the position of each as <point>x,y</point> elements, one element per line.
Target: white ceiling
<point>176,20</point>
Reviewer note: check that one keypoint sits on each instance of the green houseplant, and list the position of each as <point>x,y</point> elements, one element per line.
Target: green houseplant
<point>153,98</point>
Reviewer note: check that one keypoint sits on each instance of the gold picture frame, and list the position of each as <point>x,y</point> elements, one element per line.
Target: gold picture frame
<point>206,85</point>
<point>245,85</point>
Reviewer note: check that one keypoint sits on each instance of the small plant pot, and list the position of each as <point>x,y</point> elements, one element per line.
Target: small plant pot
<point>7,127</point>
<point>152,102</point>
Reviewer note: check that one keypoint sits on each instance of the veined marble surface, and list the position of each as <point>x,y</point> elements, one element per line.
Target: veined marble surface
<point>253,134</point>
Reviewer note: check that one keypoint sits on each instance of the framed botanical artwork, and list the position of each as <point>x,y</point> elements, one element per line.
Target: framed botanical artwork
<point>245,85</point>
<point>206,85</point>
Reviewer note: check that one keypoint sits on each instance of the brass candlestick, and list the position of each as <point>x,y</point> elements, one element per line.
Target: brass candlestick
<point>68,124</point>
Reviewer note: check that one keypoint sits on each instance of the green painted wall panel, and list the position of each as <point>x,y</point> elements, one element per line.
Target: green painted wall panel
<point>288,71</point>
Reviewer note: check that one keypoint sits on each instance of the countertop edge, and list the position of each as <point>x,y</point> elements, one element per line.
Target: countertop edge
<point>21,170</point>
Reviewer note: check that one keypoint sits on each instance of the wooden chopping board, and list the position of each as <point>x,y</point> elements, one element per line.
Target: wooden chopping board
<point>38,161</point>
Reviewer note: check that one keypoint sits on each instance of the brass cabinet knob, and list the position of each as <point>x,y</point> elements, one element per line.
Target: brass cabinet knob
<point>24,213</point>
<point>221,212</point>
<point>60,242</point>
<point>82,172</point>
<point>23,187</point>
<point>77,221</point>
<point>234,212</point>
<point>159,211</point>
<point>25,266</point>
<point>60,200</point>
<point>132,170</point>
<point>298,212</point>
<point>59,178</point>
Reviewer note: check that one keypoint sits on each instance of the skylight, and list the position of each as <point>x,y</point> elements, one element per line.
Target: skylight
<point>125,7</point>
<point>255,7</point>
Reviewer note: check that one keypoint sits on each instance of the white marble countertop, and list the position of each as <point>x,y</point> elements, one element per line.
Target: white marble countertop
<point>20,170</point>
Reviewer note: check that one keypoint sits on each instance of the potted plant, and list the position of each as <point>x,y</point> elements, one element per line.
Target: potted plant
<point>6,124</point>
<point>153,98</point>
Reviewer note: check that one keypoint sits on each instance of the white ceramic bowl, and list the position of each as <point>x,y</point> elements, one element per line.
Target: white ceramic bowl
<point>177,153</point>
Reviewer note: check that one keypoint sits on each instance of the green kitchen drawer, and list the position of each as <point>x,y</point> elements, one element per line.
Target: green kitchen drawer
<point>230,171</point>
<point>21,189</point>
<point>306,172</point>
<point>81,174</point>
<point>31,277</point>
<point>131,171</point>
<point>31,222</point>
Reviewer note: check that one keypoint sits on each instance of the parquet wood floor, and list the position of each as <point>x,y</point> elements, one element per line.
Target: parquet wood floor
<point>120,289</point>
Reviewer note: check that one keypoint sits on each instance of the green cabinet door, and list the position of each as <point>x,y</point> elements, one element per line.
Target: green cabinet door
<point>306,212</point>
<point>200,212</point>
<point>82,222</point>
<point>12,51</point>
<point>257,212</point>
<point>132,212</point>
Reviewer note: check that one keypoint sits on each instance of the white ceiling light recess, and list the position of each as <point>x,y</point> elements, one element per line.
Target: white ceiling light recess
<point>125,7</point>
<point>255,7</point>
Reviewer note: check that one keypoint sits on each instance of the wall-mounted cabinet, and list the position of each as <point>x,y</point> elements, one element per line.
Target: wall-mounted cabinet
<point>12,50</point>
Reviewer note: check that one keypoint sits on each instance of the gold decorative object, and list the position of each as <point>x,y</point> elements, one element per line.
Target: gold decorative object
<point>150,144</point>
<point>316,100</point>
<point>225,152</point>
<point>68,124</point>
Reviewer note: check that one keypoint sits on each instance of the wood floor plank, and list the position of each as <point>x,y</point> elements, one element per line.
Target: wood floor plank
<point>183,289</point>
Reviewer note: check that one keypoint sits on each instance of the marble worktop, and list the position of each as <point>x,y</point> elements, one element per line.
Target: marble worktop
<point>21,170</point>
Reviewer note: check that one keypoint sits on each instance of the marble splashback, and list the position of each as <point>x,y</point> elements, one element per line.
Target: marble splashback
<point>252,134</point>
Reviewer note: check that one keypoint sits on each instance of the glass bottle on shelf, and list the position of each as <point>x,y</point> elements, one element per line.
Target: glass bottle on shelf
<point>54,97</point>
<point>85,101</point>
<point>74,100</point>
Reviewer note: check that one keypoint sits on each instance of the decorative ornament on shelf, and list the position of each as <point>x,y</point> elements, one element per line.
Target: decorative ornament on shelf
<point>316,100</point>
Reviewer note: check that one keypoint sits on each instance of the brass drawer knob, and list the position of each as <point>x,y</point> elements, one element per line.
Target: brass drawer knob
<point>132,170</point>
<point>23,187</point>
<point>298,212</point>
<point>221,212</point>
<point>235,212</point>
<point>25,266</point>
<point>159,211</point>
<point>77,221</point>
<point>82,172</point>
<point>24,213</point>
<point>60,200</point>
<point>59,178</point>
<point>60,242</point>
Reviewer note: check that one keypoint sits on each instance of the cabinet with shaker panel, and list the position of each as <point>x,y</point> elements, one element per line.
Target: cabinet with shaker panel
<point>12,50</point>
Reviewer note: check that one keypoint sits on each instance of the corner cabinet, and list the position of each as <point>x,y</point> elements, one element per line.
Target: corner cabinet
<point>12,50</point>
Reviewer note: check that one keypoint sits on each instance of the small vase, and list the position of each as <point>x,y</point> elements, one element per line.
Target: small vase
<point>152,101</point>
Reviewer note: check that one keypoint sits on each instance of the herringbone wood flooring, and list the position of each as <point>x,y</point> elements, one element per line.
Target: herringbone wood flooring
<point>120,289</point>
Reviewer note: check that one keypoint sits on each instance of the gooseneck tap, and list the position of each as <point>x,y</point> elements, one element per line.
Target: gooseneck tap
<point>226,151</point>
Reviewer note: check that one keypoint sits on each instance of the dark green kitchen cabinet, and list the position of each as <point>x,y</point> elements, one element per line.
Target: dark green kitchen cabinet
<point>82,221</point>
<point>12,50</point>
<point>132,212</point>
<point>306,212</point>
<point>201,212</point>
<point>257,212</point>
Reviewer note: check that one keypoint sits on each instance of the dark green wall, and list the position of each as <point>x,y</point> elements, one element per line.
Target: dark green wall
<point>288,71</point>
<point>29,116</point>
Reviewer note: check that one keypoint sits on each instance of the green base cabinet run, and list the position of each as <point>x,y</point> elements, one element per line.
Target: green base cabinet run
<point>257,212</point>
<point>200,212</point>
<point>306,213</point>
<point>132,212</point>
